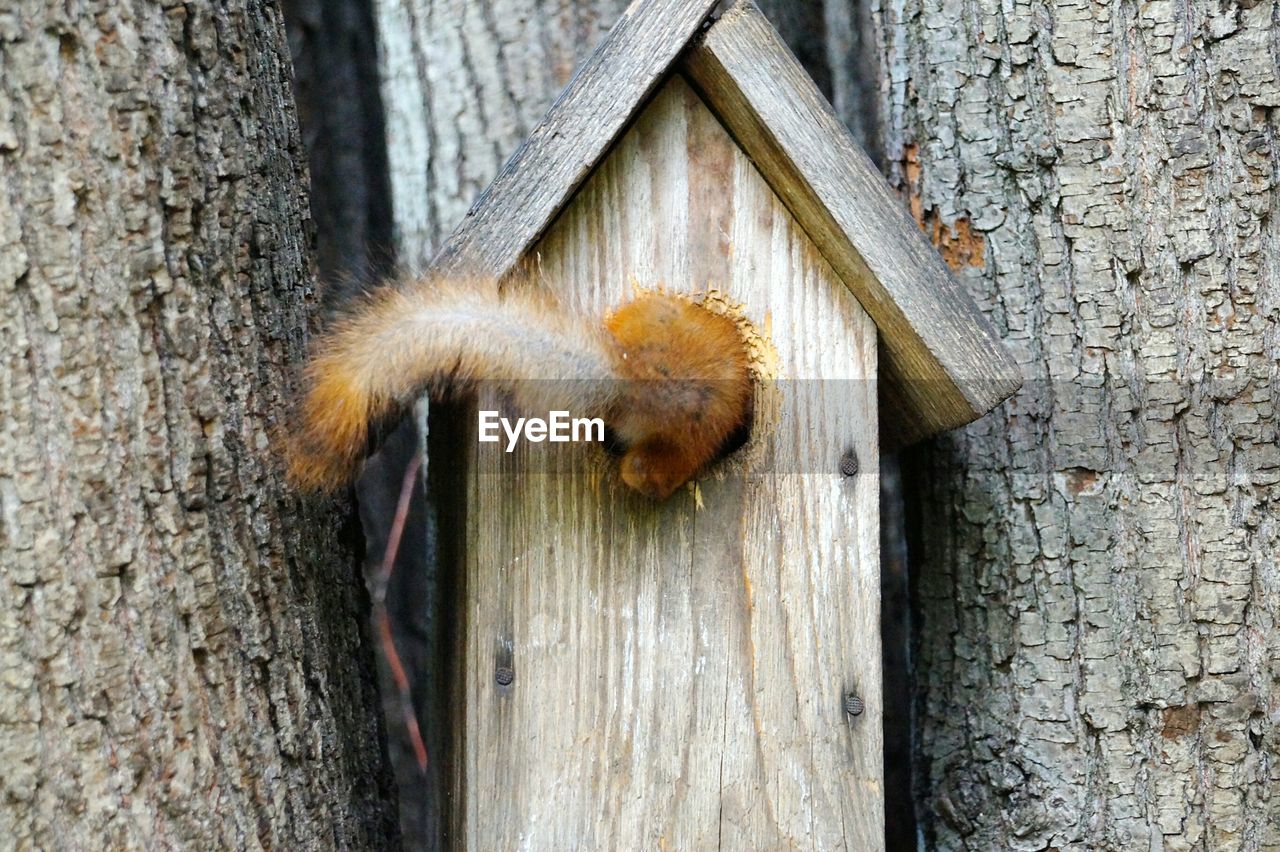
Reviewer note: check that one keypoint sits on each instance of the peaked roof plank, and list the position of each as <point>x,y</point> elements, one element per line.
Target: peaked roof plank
<point>945,364</point>
<point>592,111</point>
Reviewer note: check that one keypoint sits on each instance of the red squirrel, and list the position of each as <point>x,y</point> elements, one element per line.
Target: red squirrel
<point>669,376</point>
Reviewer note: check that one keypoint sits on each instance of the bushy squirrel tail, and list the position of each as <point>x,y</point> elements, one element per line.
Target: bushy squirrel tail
<point>430,335</point>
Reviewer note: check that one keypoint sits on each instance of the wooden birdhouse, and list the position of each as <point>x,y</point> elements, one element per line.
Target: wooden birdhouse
<point>701,671</point>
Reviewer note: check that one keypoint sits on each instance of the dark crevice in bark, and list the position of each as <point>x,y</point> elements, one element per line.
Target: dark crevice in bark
<point>913,467</point>
<point>895,634</point>
<point>334,48</point>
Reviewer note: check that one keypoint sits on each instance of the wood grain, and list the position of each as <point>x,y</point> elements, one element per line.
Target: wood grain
<point>463,84</point>
<point>680,668</point>
<point>944,365</point>
<point>605,94</point>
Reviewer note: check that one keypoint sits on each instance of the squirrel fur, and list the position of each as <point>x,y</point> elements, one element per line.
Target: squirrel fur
<point>671,378</point>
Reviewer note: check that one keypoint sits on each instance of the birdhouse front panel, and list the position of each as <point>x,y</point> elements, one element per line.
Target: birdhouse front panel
<point>701,671</point>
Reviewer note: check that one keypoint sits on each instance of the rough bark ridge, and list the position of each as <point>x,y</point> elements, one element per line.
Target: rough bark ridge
<point>180,640</point>
<point>1097,574</point>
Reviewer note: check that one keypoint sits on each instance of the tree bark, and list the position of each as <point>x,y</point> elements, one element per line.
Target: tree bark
<point>463,84</point>
<point>181,642</point>
<point>1096,564</point>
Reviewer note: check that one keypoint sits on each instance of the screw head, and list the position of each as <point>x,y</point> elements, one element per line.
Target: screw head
<point>504,676</point>
<point>849,463</point>
<point>853,705</point>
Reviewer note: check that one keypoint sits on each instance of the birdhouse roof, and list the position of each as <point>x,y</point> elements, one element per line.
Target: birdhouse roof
<point>942,363</point>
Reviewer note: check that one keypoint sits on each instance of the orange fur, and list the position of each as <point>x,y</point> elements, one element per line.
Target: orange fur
<point>688,389</point>
<point>669,376</point>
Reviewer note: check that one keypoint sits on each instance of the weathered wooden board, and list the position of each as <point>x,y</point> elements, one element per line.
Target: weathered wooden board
<point>589,115</point>
<point>944,365</point>
<point>679,670</point>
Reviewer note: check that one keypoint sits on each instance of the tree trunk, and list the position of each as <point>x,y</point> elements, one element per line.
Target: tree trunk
<point>463,84</point>
<point>181,639</point>
<point>1096,562</point>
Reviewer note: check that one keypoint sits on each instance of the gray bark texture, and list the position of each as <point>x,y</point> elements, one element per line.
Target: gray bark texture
<point>1096,562</point>
<point>182,660</point>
